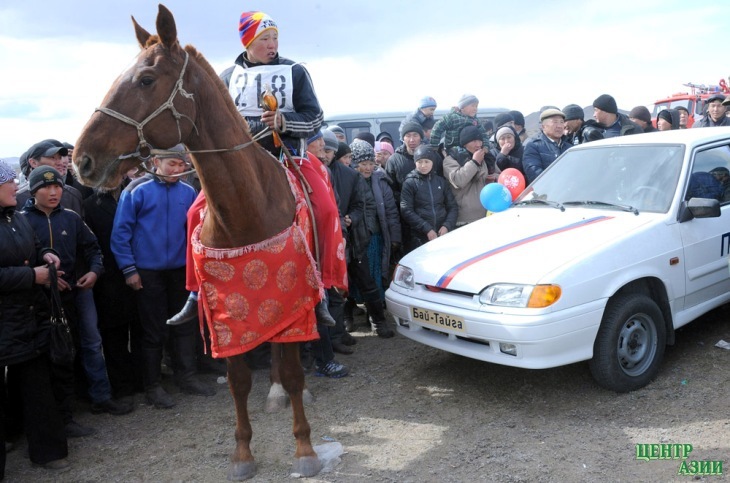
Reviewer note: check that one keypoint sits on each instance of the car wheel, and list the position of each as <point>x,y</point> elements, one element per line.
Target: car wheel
<point>630,343</point>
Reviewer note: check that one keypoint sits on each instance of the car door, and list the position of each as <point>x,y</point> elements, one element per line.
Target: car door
<point>706,241</point>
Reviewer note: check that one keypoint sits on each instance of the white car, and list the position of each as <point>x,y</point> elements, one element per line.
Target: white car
<point>617,244</point>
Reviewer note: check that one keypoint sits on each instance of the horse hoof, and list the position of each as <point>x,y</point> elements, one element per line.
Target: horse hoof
<point>274,404</point>
<point>306,466</point>
<point>242,470</point>
<point>307,397</point>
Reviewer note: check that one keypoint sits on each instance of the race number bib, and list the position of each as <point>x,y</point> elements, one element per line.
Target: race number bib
<point>246,86</point>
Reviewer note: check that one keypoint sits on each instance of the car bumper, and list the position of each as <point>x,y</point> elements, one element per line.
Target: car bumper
<point>541,339</point>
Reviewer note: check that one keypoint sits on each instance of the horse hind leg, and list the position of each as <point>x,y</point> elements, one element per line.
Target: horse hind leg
<point>306,462</point>
<point>242,465</point>
<point>278,398</point>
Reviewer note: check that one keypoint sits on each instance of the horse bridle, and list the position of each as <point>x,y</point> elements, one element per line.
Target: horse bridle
<point>143,145</point>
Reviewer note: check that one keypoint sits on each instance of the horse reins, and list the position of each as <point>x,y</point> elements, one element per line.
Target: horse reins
<point>151,151</point>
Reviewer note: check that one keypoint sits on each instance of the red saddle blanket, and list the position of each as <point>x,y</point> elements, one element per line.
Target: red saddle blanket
<point>264,292</point>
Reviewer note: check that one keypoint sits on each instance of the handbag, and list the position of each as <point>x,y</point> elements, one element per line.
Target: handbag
<point>62,348</point>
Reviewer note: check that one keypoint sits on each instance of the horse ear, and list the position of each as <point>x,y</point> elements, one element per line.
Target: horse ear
<point>142,34</point>
<point>166,28</point>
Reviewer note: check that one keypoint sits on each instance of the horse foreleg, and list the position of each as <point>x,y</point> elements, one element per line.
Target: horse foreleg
<point>242,465</point>
<point>306,462</point>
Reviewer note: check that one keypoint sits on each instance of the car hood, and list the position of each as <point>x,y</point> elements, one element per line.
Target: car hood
<point>519,245</point>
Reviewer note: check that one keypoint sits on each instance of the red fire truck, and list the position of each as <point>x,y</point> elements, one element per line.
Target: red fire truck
<point>693,101</point>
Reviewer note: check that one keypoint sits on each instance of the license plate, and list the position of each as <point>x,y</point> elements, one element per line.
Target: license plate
<point>437,319</point>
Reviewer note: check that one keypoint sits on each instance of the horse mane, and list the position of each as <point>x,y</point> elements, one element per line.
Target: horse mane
<point>218,82</point>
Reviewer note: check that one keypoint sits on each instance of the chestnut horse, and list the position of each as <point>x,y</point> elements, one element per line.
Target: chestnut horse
<point>172,95</point>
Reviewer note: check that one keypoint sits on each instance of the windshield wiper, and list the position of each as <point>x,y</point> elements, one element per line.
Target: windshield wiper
<point>538,201</point>
<point>628,208</point>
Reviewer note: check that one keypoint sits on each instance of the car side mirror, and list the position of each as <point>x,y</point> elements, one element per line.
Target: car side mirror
<point>699,208</point>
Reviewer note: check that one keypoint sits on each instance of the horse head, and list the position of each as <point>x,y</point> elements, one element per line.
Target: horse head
<point>147,107</point>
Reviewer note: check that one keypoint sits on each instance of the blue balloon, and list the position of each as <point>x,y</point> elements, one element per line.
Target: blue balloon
<point>495,197</point>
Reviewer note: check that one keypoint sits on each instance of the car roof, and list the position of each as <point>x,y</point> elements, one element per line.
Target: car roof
<point>688,137</point>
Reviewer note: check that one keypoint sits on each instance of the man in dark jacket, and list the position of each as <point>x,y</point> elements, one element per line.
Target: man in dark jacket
<point>605,111</point>
<point>401,163</point>
<point>715,107</point>
<point>641,116</point>
<point>543,149</point>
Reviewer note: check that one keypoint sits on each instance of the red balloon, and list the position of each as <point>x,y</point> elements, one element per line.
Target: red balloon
<point>513,180</point>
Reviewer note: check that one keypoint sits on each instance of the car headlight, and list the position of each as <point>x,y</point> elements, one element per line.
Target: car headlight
<point>403,277</point>
<point>515,295</point>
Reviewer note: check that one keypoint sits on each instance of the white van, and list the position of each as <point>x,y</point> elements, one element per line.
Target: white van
<point>378,122</point>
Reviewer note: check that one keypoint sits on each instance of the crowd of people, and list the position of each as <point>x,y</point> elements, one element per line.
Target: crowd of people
<point>123,254</point>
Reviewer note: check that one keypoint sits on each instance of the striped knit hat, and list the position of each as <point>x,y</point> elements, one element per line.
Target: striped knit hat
<point>253,24</point>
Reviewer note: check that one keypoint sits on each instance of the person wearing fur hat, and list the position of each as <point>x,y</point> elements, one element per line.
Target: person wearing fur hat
<point>641,116</point>
<point>426,108</point>
<point>605,111</point>
<point>427,203</point>
<point>667,120</point>
<point>468,171</point>
<point>544,148</point>
<point>449,126</point>
<point>715,107</point>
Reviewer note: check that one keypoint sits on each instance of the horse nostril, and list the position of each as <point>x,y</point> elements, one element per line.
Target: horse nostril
<point>85,166</point>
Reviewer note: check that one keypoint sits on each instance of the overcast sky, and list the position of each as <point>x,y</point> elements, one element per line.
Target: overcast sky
<point>59,58</point>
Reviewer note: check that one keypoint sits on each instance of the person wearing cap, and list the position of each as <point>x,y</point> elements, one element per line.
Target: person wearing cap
<point>66,232</point>
<point>715,107</point>
<point>425,110</point>
<point>519,124</point>
<point>339,132</point>
<point>331,144</point>
<point>385,136</point>
<point>24,328</point>
<point>343,154</point>
<point>427,203</point>
<point>667,120</point>
<point>509,150</point>
<point>50,152</point>
<point>641,116</point>
<point>683,116</point>
<point>149,242</point>
<point>299,114</point>
<point>383,152</point>
<point>467,172</point>
<point>371,241</point>
<point>574,121</point>
<point>605,111</point>
<point>461,115</point>
<point>401,163</point>
<point>544,148</point>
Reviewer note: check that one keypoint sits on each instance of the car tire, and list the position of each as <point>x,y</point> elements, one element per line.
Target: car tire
<point>629,346</point>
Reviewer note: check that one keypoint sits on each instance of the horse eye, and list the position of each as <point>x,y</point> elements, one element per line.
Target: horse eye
<point>146,81</point>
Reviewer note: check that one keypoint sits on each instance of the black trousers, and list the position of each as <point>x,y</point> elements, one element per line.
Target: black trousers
<point>42,422</point>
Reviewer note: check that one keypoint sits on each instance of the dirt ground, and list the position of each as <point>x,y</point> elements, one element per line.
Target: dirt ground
<point>409,413</point>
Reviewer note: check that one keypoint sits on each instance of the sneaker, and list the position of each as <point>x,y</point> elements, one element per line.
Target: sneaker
<point>158,397</point>
<point>332,369</point>
<point>76,430</point>
<point>115,408</point>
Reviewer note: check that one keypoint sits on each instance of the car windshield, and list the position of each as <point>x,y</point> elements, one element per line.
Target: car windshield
<point>626,177</point>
